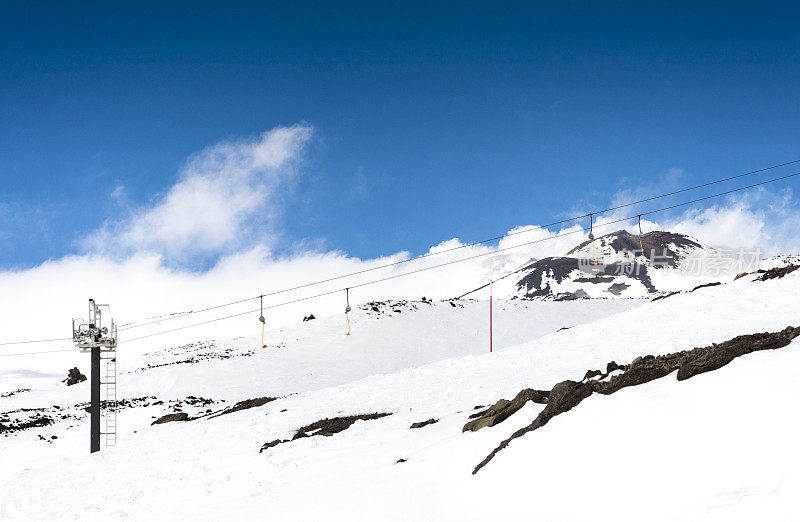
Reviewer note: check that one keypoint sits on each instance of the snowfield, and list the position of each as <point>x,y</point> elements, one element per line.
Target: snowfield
<point>719,446</point>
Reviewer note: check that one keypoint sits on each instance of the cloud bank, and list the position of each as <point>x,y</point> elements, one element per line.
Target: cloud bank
<point>226,204</point>
<point>225,193</point>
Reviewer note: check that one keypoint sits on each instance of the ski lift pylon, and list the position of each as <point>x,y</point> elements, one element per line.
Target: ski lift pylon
<point>640,235</point>
<point>347,310</point>
<point>263,321</point>
<point>594,262</point>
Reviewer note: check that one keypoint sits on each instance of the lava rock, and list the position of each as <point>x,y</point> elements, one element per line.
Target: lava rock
<point>269,445</point>
<point>777,273</point>
<point>247,404</point>
<point>567,394</point>
<point>503,409</point>
<point>591,373</point>
<point>664,296</point>
<point>325,427</point>
<point>423,423</point>
<point>328,427</point>
<point>74,377</point>
<point>171,417</point>
<point>705,286</point>
<point>701,360</point>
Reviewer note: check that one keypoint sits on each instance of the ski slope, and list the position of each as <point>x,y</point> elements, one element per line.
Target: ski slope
<point>719,446</point>
<point>386,337</point>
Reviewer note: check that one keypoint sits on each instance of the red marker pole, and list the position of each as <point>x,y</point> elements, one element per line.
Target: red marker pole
<point>490,316</point>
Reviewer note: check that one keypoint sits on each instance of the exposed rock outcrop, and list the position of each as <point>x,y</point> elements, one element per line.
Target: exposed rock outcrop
<point>504,409</point>
<point>563,397</point>
<point>247,404</point>
<point>171,417</point>
<point>777,273</point>
<point>567,394</point>
<point>326,427</point>
<point>74,377</point>
<point>422,424</point>
<point>717,283</point>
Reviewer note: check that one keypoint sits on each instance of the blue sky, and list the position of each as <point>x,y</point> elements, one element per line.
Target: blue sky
<point>429,121</point>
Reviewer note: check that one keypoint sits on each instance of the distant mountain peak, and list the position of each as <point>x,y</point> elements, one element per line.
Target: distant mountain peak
<point>673,247</point>
<point>612,265</point>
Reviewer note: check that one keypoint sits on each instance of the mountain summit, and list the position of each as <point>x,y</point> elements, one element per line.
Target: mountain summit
<point>618,265</point>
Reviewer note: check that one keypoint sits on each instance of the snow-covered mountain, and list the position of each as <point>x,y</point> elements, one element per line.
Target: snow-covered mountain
<point>581,402</point>
<point>618,265</point>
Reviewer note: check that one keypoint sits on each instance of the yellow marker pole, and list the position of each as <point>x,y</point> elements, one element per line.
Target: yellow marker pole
<point>263,322</point>
<point>347,310</point>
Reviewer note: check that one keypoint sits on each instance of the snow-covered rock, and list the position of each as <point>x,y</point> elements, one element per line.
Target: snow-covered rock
<point>616,265</point>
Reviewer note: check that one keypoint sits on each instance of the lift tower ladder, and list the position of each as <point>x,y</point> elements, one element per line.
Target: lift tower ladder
<point>110,410</point>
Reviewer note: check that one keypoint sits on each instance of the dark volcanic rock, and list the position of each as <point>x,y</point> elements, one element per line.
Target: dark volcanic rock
<point>171,417</point>
<point>560,268</point>
<point>271,444</point>
<point>591,373</point>
<point>326,427</point>
<point>777,273</point>
<point>580,293</point>
<point>14,392</point>
<point>423,423</point>
<point>612,366</point>
<point>35,420</point>
<point>568,394</point>
<point>701,360</point>
<point>504,409</point>
<point>739,276</point>
<point>640,371</point>
<point>617,288</point>
<point>247,404</point>
<point>705,286</point>
<point>563,397</point>
<point>664,296</point>
<point>74,377</point>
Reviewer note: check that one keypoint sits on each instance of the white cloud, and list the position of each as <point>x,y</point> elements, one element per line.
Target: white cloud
<point>765,217</point>
<point>228,191</point>
<point>226,194</point>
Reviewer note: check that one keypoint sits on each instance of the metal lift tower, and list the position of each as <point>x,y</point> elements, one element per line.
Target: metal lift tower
<point>93,337</point>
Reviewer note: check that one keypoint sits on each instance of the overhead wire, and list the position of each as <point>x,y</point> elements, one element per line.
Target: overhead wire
<point>36,353</point>
<point>9,343</point>
<point>466,245</point>
<point>404,274</point>
<point>461,260</point>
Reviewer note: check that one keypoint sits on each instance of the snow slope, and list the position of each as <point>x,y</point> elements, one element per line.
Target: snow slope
<point>386,337</point>
<point>720,446</point>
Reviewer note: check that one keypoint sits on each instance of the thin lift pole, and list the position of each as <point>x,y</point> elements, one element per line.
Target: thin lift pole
<point>490,316</point>
<point>263,322</point>
<point>640,235</point>
<point>347,310</point>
